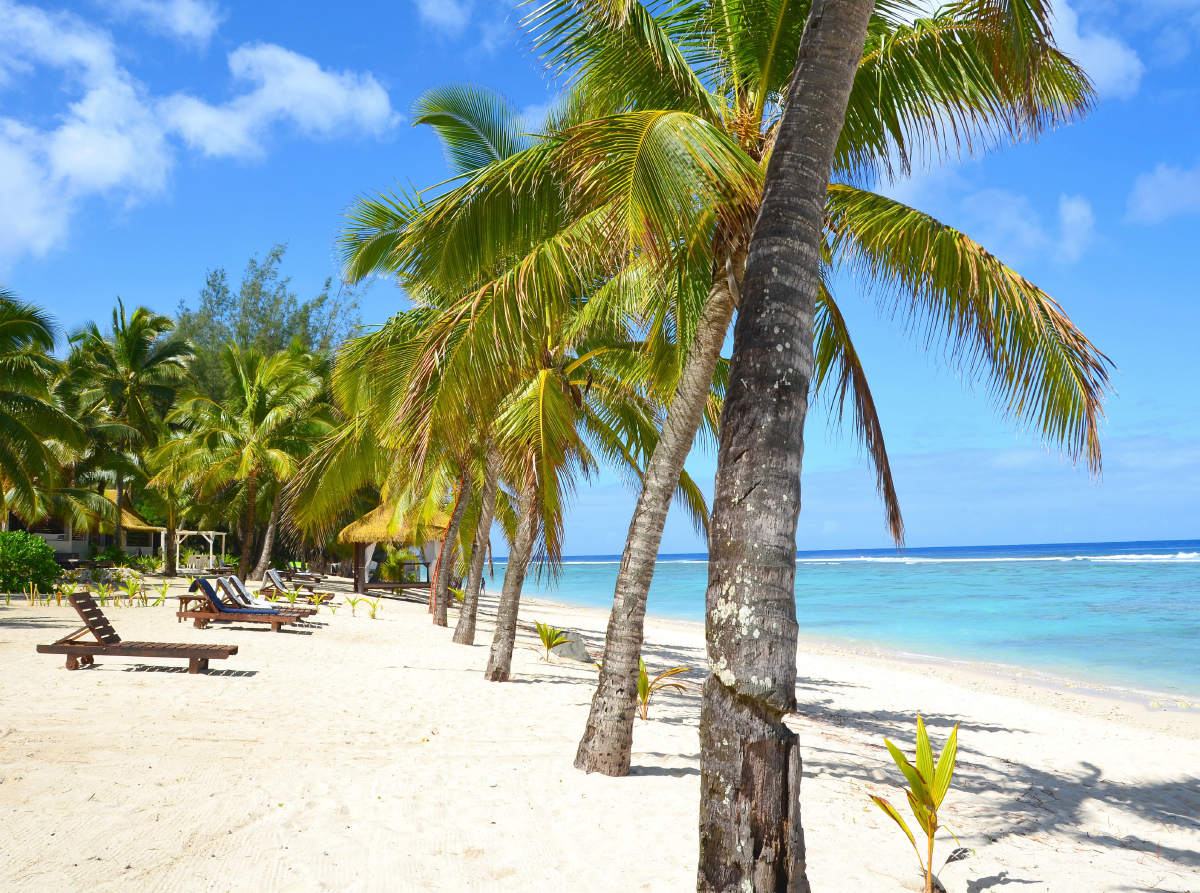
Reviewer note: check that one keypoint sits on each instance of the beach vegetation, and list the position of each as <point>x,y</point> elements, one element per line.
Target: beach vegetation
<point>647,687</point>
<point>373,605</point>
<point>352,601</point>
<point>551,637</point>
<point>927,787</point>
<point>103,592</point>
<point>26,559</point>
<point>162,589</point>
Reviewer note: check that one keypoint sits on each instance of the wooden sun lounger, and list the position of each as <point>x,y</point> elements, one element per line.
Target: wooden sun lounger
<point>211,608</point>
<point>238,593</point>
<point>273,583</point>
<point>82,653</point>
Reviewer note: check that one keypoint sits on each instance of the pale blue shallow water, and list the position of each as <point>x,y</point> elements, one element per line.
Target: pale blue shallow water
<point>1123,614</point>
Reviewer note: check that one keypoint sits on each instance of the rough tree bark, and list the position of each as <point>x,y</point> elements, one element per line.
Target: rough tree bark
<point>441,589</point>
<point>119,528</point>
<point>171,548</point>
<point>750,832</point>
<point>607,742</point>
<point>499,665</point>
<point>264,559</point>
<point>464,632</point>
<point>248,524</point>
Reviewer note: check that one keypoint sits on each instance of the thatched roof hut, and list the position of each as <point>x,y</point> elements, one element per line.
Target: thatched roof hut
<point>373,527</point>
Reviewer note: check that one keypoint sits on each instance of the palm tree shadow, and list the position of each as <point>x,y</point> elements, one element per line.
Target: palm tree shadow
<point>1042,799</point>
<point>978,885</point>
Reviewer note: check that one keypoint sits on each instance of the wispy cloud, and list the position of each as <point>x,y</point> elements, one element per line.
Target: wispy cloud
<point>287,87</point>
<point>1112,64</point>
<point>1164,193</point>
<point>1004,222</point>
<point>448,16</point>
<point>190,21</point>
<point>114,140</point>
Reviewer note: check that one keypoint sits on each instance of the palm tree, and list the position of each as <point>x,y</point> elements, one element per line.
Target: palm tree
<point>1041,367</point>
<point>529,351</point>
<point>31,422</point>
<point>661,149</point>
<point>132,374</point>
<point>253,440</point>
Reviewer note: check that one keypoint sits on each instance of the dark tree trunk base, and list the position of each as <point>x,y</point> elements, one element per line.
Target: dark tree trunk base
<point>749,798</point>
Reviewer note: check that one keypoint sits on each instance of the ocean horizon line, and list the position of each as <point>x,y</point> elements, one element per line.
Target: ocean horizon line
<point>1012,551</point>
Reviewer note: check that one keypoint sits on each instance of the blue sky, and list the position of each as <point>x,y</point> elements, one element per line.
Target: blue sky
<point>144,142</point>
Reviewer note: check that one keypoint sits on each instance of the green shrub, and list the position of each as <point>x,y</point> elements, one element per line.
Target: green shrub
<point>26,559</point>
<point>116,555</point>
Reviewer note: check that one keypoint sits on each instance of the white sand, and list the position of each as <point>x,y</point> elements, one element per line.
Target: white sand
<point>370,755</point>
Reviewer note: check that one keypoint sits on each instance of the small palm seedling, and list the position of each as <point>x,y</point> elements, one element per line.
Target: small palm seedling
<point>103,591</point>
<point>373,604</point>
<point>457,594</point>
<point>162,589</point>
<point>551,637</point>
<point>30,592</point>
<point>291,596</point>
<point>132,587</point>
<point>332,608</point>
<point>928,787</point>
<point>317,599</point>
<point>647,686</point>
<point>353,601</point>
<point>67,588</point>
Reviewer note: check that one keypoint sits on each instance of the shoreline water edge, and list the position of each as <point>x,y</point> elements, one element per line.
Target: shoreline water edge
<point>1119,619</point>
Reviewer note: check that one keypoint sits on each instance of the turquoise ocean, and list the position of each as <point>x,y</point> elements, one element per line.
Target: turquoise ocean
<point>1120,614</point>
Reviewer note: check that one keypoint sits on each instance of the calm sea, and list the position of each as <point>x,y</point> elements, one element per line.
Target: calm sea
<point>1123,614</point>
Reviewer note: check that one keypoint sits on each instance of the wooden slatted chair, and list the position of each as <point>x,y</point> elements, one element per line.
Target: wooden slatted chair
<point>236,591</point>
<point>81,653</point>
<point>213,608</point>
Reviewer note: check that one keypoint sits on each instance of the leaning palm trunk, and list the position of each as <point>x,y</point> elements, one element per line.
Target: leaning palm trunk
<point>464,633</point>
<point>608,739</point>
<point>751,837</point>
<point>441,590</point>
<point>247,543</point>
<point>264,560</point>
<point>499,666</point>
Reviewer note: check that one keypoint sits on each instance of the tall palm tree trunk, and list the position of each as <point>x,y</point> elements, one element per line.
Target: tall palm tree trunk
<point>464,632</point>
<point>170,547</point>
<point>248,525</point>
<point>499,666</point>
<point>119,528</point>
<point>441,592</point>
<point>607,742</point>
<point>264,559</point>
<point>751,836</point>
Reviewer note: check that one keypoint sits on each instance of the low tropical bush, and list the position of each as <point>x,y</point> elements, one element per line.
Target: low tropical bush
<point>162,589</point>
<point>116,555</point>
<point>927,788</point>
<point>647,686</point>
<point>551,637</point>
<point>26,559</point>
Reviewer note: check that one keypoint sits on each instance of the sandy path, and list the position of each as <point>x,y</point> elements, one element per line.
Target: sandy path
<point>370,755</point>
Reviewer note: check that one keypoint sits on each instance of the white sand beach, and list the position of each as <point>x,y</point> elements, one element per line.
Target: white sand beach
<point>370,755</point>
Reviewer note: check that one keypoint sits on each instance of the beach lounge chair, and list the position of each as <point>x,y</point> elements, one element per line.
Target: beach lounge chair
<point>81,652</point>
<point>211,607</point>
<point>237,592</point>
<point>273,583</point>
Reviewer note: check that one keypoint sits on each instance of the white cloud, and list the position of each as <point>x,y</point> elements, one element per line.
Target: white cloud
<point>288,87</point>
<point>113,140</point>
<point>450,16</point>
<point>1077,224</point>
<point>191,21</point>
<point>1164,193</point>
<point>108,142</point>
<point>1005,223</point>
<point>1113,66</point>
